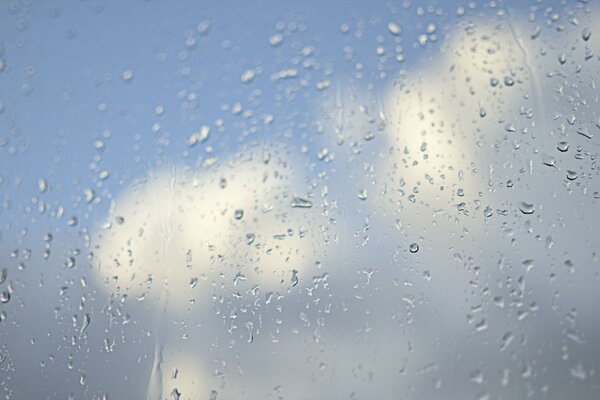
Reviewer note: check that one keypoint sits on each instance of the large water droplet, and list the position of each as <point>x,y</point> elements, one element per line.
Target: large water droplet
<point>526,208</point>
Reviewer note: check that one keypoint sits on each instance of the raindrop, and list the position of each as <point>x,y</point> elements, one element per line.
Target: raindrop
<point>487,212</point>
<point>5,297</point>
<point>562,59</point>
<point>175,394</point>
<point>248,76</point>
<point>43,185</point>
<point>394,28</point>
<point>299,202</point>
<point>526,208</point>
<point>199,137</point>
<point>276,39</point>
<point>413,247</point>
<point>362,194</point>
<point>294,279</point>
<point>562,146</point>
<point>586,33</point>
<point>127,75</point>
<point>203,27</point>
<point>571,175</point>
<point>239,214</point>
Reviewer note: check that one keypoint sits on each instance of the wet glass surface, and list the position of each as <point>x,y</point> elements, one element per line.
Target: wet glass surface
<point>299,200</point>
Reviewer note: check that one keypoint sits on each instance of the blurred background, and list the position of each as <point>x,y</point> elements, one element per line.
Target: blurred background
<point>299,200</point>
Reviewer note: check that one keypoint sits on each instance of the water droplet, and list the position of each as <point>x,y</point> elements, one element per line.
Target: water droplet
<point>562,146</point>
<point>413,247</point>
<point>239,214</point>
<point>199,137</point>
<point>562,59</point>
<point>127,75</point>
<point>203,27</point>
<point>394,28</point>
<point>487,212</point>
<point>248,76</point>
<point>526,208</point>
<point>294,280</point>
<point>276,39</point>
<point>509,81</point>
<point>362,194</point>
<point>585,34</point>
<point>2,65</point>
<point>571,175</point>
<point>43,185</point>
<point>299,202</point>
<point>175,394</point>
<point>85,324</point>
<point>5,297</point>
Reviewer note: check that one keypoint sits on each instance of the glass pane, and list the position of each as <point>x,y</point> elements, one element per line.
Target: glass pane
<point>299,200</point>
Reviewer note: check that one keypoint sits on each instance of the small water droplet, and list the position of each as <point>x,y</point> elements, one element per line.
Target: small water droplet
<point>585,34</point>
<point>248,76</point>
<point>193,282</point>
<point>294,280</point>
<point>362,194</point>
<point>276,39</point>
<point>299,202</point>
<point>487,212</point>
<point>571,175</point>
<point>127,75</point>
<point>43,185</point>
<point>239,214</point>
<point>562,59</point>
<point>562,146</point>
<point>394,28</point>
<point>199,137</point>
<point>203,27</point>
<point>175,394</point>
<point>413,248</point>
<point>526,208</point>
<point>5,297</point>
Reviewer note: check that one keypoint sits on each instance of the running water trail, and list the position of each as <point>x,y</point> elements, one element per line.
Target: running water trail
<point>533,74</point>
<point>155,382</point>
